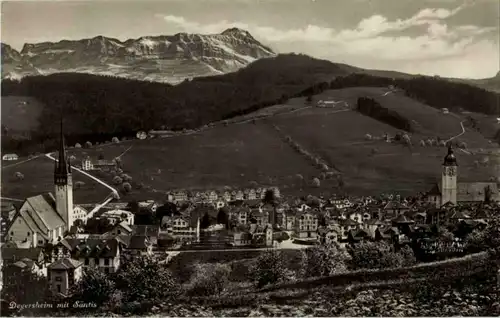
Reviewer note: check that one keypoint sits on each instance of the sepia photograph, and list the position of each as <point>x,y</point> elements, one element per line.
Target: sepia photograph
<point>250,158</point>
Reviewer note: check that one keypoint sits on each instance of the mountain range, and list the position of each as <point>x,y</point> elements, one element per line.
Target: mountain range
<point>169,58</point>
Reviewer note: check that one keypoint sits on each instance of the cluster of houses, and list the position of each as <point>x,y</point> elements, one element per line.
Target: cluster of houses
<point>220,196</point>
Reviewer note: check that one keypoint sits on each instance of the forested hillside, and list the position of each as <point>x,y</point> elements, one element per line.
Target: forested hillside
<point>96,107</point>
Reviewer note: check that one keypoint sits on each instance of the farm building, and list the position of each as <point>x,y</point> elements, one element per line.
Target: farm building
<point>10,157</point>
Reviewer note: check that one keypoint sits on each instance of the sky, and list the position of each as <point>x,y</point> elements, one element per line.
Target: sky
<point>452,38</point>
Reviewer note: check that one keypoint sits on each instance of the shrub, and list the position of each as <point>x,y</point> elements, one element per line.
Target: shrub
<point>372,255</point>
<point>270,268</point>
<point>143,278</point>
<point>117,180</point>
<point>316,183</point>
<point>368,137</point>
<point>442,143</point>
<point>324,167</point>
<point>299,177</point>
<point>126,187</point>
<point>322,260</point>
<point>19,176</point>
<point>208,279</point>
<point>462,145</point>
<point>115,140</point>
<point>422,143</point>
<point>126,177</point>
<point>77,145</point>
<point>322,176</point>
<point>88,144</point>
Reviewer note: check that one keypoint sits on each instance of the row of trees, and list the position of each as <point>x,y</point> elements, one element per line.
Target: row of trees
<point>370,107</point>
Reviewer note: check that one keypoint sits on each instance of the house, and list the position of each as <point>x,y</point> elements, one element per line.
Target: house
<point>80,213</point>
<point>104,165</point>
<point>63,274</point>
<point>306,225</point>
<point>103,253</point>
<point>251,195</point>
<point>227,196</point>
<point>288,220</point>
<point>120,215</point>
<point>347,225</point>
<point>149,205</point>
<point>87,164</point>
<point>180,196</point>
<point>37,222</point>
<point>134,245</point>
<point>212,196</point>
<point>242,239</point>
<point>25,258</point>
<point>122,228</point>
<point>239,195</point>
<point>10,157</point>
<point>394,208</point>
<point>151,231</point>
<point>184,228</point>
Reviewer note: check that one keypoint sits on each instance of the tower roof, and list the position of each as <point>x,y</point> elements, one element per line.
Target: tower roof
<point>62,167</point>
<point>450,159</point>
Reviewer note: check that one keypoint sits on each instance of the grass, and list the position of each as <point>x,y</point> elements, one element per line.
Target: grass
<point>39,178</point>
<point>338,137</point>
<point>232,156</point>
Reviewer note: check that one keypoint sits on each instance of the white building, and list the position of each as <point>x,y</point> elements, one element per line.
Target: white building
<point>127,216</point>
<point>10,157</point>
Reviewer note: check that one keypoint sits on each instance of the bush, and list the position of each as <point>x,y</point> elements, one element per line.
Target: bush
<point>117,180</point>
<point>270,268</point>
<point>462,145</point>
<point>368,137</point>
<point>316,183</point>
<point>126,177</point>
<point>19,176</point>
<point>126,187</point>
<point>373,255</point>
<point>77,145</point>
<point>324,167</point>
<point>422,143</point>
<point>322,260</point>
<point>115,140</point>
<point>208,279</point>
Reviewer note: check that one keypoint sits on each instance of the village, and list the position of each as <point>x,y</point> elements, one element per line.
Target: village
<point>50,236</point>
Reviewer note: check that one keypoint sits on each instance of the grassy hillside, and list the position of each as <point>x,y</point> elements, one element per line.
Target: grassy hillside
<point>252,153</point>
<point>239,156</point>
<point>39,178</point>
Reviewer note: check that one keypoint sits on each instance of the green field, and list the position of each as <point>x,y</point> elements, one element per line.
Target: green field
<point>39,178</point>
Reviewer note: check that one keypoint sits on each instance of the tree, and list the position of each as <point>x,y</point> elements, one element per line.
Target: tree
<point>368,137</point>
<point>316,183</point>
<point>208,279</point>
<point>88,144</point>
<point>142,278</point>
<point>422,143</point>
<point>222,217</point>
<point>94,287</point>
<point>115,140</point>
<point>126,187</point>
<point>117,180</point>
<point>77,145</point>
<point>270,268</point>
<point>309,99</point>
<point>323,260</point>
<point>19,176</point>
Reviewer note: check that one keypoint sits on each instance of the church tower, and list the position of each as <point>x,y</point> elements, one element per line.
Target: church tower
<point>64,185</point>
<point>449,178</point>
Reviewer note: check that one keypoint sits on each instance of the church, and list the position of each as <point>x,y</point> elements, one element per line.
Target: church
<point>451,191</point>
<point>46,218</point>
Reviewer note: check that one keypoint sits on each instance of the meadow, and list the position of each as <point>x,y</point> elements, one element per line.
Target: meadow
<point>237,156</point>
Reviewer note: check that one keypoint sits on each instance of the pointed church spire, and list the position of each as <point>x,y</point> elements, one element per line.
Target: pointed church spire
<point>62,168</point>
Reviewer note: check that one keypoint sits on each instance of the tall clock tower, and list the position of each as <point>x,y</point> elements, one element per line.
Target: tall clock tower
<point>449,178</point>
<point>64,185</point>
